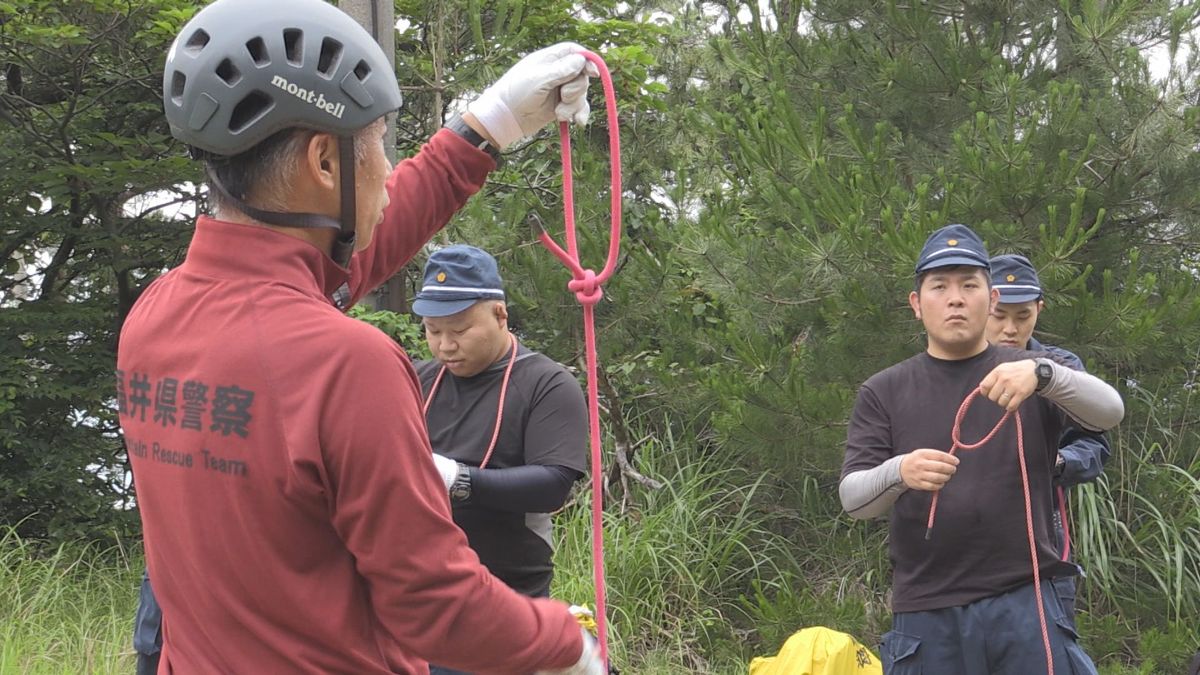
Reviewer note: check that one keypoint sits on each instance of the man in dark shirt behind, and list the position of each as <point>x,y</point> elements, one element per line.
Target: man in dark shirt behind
<point>1081,454</point>
<point>963,601</point>
<point>508,425</point>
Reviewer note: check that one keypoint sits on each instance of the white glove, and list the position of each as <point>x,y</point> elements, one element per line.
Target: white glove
<point>548,84</point>
<point>447,467</point>
<point>589,662</point>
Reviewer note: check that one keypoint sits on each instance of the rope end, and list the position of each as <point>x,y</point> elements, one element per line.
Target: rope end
<point>535,223</point>
<point>928,533</point>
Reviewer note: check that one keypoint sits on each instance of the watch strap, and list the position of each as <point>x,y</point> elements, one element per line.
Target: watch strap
<point>460,489</point>
<point>459,126</point>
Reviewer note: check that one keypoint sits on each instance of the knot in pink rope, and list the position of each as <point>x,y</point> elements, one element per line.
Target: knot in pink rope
<point>587,290</point>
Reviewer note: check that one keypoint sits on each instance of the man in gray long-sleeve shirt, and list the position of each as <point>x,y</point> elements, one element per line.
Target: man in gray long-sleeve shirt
<point>963,601</point>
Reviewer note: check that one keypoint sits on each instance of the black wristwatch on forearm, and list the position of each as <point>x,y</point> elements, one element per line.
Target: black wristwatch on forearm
<point>459,126</point>
<point>1045,372</point>
<point>460,489</point>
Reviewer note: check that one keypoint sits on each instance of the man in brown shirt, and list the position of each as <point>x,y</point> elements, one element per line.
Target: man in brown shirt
<point>963,600</point>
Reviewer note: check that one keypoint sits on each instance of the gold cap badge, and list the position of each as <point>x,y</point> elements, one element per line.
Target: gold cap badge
<point>953,242</point>
<point>1011,278</point>
<point>441,277</point>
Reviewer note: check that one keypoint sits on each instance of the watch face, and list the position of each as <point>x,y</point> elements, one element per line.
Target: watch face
<point>1043,372</point>
<point>460,490</point>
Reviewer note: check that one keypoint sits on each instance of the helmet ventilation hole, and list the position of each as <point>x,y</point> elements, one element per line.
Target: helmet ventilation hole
<point>331,54</point>
<point>178,81</point>
<point>258,51</point>
<point>228,72</point>
<point>293,45</point>
<point>198,41</point>
<point>249,110</point>
<point>362,70</point>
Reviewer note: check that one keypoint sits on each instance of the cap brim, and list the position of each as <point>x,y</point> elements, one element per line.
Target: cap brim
<point>437,308</point>
<point>952,261</point>
<point>1018,297</point>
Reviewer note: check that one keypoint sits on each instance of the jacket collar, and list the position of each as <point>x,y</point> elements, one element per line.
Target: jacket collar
<point>251,253</point>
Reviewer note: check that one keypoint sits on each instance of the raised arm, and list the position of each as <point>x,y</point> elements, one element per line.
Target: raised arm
<point>424,192</point>
<point>1090,401</point>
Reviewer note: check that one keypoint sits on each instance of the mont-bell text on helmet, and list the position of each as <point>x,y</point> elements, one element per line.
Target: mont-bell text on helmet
<point>309,96</point>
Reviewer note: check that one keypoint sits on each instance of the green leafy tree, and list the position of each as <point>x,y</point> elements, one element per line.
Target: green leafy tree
<point>93,186</point>
<point>451,51</point>
<point>851,129</point>
<point>90,181</point>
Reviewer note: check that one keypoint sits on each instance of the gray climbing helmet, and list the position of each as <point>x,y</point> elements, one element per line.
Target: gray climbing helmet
<point>242,70</point>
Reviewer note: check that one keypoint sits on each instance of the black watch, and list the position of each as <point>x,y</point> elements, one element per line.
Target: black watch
<point>459,126</point>
<point>1044,372</point>
<point>460,489</point>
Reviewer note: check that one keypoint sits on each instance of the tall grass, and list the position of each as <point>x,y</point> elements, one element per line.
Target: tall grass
<point>1137,534</point>
<point>1142,551</point>
<point>676,563</point>
<point>65,610</point>
<point>712,570</point>
<point>723,563</point>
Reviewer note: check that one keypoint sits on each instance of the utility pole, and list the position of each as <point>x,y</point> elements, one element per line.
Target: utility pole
<point>379,18</point>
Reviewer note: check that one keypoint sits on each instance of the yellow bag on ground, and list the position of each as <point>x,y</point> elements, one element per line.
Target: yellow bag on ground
<point>819,651</point>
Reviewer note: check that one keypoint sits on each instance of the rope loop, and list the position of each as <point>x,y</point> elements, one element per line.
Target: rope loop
<point>957,429</point>
<point>1029,530</point>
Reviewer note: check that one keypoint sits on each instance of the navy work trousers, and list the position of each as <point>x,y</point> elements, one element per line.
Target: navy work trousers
<point>999,635</point>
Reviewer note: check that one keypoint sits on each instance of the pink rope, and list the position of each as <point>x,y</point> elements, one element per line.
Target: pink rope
<point>1066,525</point>
<point>586,285</point>
<point>1037,575</point>
<point>512,359</point>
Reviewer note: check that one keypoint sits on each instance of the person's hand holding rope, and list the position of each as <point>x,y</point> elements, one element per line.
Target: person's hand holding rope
<point>589,663</point>
<point>547,85</point>
<point>1009,384</point>
<point>927,469</point>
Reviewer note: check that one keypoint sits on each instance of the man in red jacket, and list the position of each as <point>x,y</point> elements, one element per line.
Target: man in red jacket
<point>294,519</point>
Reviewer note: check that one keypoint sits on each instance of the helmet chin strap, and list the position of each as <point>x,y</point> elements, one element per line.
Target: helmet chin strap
<point>343,245</point>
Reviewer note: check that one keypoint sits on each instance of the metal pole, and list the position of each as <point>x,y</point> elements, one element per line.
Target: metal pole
<point>379,18</point>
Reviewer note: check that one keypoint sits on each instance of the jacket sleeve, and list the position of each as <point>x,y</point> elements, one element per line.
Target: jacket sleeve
<point>533,488</point>
<point>1083,453</point>
<point>147,622</point>
<point>390,508</point>
<point>424,192</point>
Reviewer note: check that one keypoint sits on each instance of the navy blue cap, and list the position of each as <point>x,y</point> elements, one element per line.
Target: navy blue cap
<point>952,245</point>
<point>1015,278</point>
<point>457,277</point>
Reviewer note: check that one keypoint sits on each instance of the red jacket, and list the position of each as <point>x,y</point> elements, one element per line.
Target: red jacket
<point>294,521</point>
